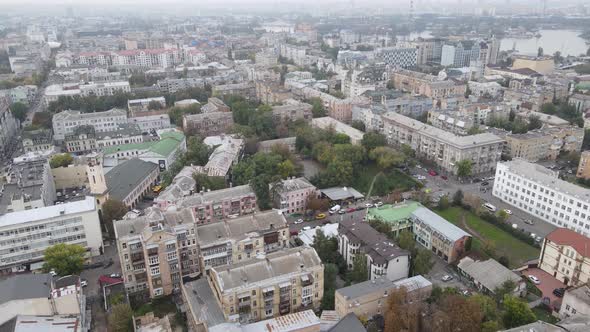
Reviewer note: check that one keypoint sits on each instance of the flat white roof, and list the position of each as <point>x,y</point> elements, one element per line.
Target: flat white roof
<point>48,212</point>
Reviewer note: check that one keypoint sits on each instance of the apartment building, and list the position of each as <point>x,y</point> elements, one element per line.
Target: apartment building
<point>37,140</point>
<point>384,258</point>
<point>292,195</point>
<point>156,251</point>
<point>444,148</point>
<point>438,235</point>
<point>584,166</point>
<point>541,64</point>
<point>24,235</point>
<point>356,136</point>
<point>539,192</point>
<point>461,54</point>
<point>66,122</point>
<point>82,140</point>
<point>269,145</point>
<point>213,206</point>
<point>215,105</point>
<point>150,121</point>
<point>145,58</point>
<point>208,124</point>
<point>576,301</point>
<point>247,90</point>
<point>369,298</point>
<point>139,105</point>
<point>100,89</point>
<point>565,256</point>
<point>9,126</point>
<point>292,111</point>
<point>451,121</point>
<point>233,241</point>
<point>397,57</point>
<point>427,85</point>
<point>28,185</point>
<point>276,284</point>
<point>531,146</point>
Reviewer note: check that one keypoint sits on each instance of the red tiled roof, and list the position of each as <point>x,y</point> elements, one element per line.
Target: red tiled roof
<point>564,236</point>
<point>106,280</point>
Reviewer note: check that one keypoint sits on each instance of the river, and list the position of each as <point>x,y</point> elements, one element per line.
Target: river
<point>565,41</point>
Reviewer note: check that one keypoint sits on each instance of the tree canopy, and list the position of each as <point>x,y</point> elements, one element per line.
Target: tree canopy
<point>64,259</point>
<point>112,210</point>
<point>61,160</point>
<point>19,110</point>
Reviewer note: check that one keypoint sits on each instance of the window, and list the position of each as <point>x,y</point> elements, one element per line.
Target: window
<point>155,270</point>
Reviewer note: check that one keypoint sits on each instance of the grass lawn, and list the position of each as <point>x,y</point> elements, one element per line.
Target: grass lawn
<point>517,251</point>
<point>390,181</point>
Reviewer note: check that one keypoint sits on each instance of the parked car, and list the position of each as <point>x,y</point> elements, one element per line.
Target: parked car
<point>444,177</point>
<point>419,166</point>
<point>559,292</point>
<point>83,282</point>
<point>53,273</point>
<point>360,208</point>
<point>298,221</point>
<point>115,275</point>
<point>476,180</point>
<point>294,233</point>
<point>320,216</point>
<point>465,292</point>
<point>378,204</point>
<point>538,239</point>
<point>447,277</point>
<point>529,222</point>
<point>369,205</point>
<point>485,183</point>
<point>306,228</point>
<point>534,279</point>
<point>508,212</point>
<point>341,212</point>
<point>349,210</point>
<point>95,265</point>
<point>432,173</point>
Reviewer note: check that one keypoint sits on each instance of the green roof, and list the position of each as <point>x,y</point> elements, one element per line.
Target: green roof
<point>165,146</point>
<point>393,212</point>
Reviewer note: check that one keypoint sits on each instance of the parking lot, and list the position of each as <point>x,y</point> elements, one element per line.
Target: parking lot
<point>441,269</point>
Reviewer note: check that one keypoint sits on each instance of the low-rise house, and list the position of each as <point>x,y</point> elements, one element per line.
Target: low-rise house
<point>213,206</point>
<point>384,258</point>
<point>208,124</point>
<point>490,275</point>
<point>438,235</point>
<point>287,142</point>
<point>292,195</point>
<point>215,105</point>
<point>283,282</point>
<point>151,121</point>
<point>289,112</point>
<point>397,216</point>
<point>233,241</point>
<point>327,122</point>
<point>130,181</point>
<point>338,195</point>
<point>139,105</point>
<point>369,298</point>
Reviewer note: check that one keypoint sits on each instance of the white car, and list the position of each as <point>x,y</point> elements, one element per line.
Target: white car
<point>419,166</point>
<point>378,204</point>
<point>447,277</point>
<point>83,283</point>
<point>508,212</point>
<point>298,221</point>
<point>369,205</point>
<point>306,228</point>
<point>534,279</point>
<point>515,226</point>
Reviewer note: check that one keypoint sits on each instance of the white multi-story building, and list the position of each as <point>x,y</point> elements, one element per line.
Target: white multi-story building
<point>100,89</point>
<point>539,192</point>
<point>9,125</point>
<point>147,58</point>
<point>24,235</point>
<point>397,57</point>
<point>151,120</point>
<point>64,123</point>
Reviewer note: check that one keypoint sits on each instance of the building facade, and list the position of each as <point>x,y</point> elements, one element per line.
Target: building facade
<point>156,251</point>
<point>539,192</point>
<point>24,235</point>
<point>564,256</point>
<point>283,282</point>
<point>208,124</point>
<point>293,195</point>
<point>584,166</point>
<point>66,122</point>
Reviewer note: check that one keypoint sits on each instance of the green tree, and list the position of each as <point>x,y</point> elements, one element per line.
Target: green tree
<point>330,273</point>
<point>458,197</point>
<point>490,326</point>
<point>355,154</point>
<point>505,289</point>
<point>487,305</point>
<point>356,124</point>
<point>516,312</point>
<point>121,318</point>
<point>464,167</point>
<point>386,157</point>
<point>359,272</point>
<point>540,52</point>
<point>154,105</point>
<point>422,263</point>
<point>390,85</point>
<point>197,152</point>
<point>548,108</point>
<point>405,240</point>
<point>534,122</point>
<point>317,107</point>
<point>286,168</point>
<point>208,182</point>
<point>372,140</point>
<point>408,151</point>
<point>61,160</point>
<point>19,111</point>
<point>42,120</point>
<point>443,203</point>
<point>112,210</point>
<point>64,259</point>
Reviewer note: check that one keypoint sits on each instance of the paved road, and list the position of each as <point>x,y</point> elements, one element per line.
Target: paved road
<point>357,215</point>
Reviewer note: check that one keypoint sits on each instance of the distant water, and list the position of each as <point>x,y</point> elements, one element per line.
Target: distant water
<point>565,41</point>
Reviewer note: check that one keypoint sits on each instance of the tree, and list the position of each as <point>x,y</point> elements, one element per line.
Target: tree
<point>487,306</point>
<point>464,167</point>
<point>358,125</point>
<point>112,210</point>
<point>42,119</point>
<point>490,326</point>
<point>359,272</point>
<point>154,105</point>
<point>286,168</point>
<point>548,108</point>
<point>504,261</point>
<point>390,85</point>
<point>372,140</point>
<point>326,247</point>
<point>534,122</point>
<point>205,182</point>
<point>330,273</point>
<point>386,157</point>
<point>19,111</point>
<point>516,312</point>
<point>443,202</point>
<point>61,160</point>
<point>506,288</point>
<point>540,52</point>
<point>463,315</point>
<point>317,108</point>
<point>422,263</point>
<point>64,259</point>
<point>503,215</point>
<point>317,204</point>
<point>401,315</point>
<point>121,318</point>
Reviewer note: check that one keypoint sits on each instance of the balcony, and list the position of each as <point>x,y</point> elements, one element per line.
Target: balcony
<point>137,258</point>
